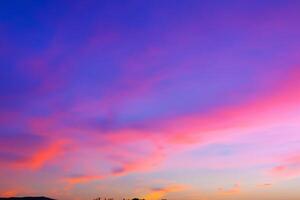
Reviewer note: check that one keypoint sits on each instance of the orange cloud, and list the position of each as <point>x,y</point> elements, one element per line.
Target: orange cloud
<point>264,185</point>
<point>82,179</point>
<point>236,189</point>
<point>159,193</point>
<point>9,193</point>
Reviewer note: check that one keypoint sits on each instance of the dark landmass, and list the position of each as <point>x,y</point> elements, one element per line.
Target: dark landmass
<point>26,198</point>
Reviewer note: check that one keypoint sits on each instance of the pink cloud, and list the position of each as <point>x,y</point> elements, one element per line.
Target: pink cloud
<point>130,150</point>
<point>43,155</point>
<point>288,168</point>
<point>142,164</point>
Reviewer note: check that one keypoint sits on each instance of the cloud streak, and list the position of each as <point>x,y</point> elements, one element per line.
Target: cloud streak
<point>107,92</point>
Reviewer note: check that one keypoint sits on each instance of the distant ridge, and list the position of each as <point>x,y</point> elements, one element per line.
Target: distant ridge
<point>26,198</point>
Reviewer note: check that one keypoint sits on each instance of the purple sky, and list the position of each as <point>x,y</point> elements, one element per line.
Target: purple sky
<point>195,100</point>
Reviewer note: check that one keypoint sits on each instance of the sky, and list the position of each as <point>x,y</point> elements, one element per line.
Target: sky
<point>181,99</point>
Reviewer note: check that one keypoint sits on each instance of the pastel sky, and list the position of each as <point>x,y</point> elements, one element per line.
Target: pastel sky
<point>196,100</point>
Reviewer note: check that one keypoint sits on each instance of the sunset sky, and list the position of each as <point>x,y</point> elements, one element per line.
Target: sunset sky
<point>176,99</point>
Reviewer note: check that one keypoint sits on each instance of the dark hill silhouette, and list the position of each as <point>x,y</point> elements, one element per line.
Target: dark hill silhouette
<point>26,198</point>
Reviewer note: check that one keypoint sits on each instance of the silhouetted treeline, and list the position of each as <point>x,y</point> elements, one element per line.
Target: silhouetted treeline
<point>99,198</point>
<point>26,198</point>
